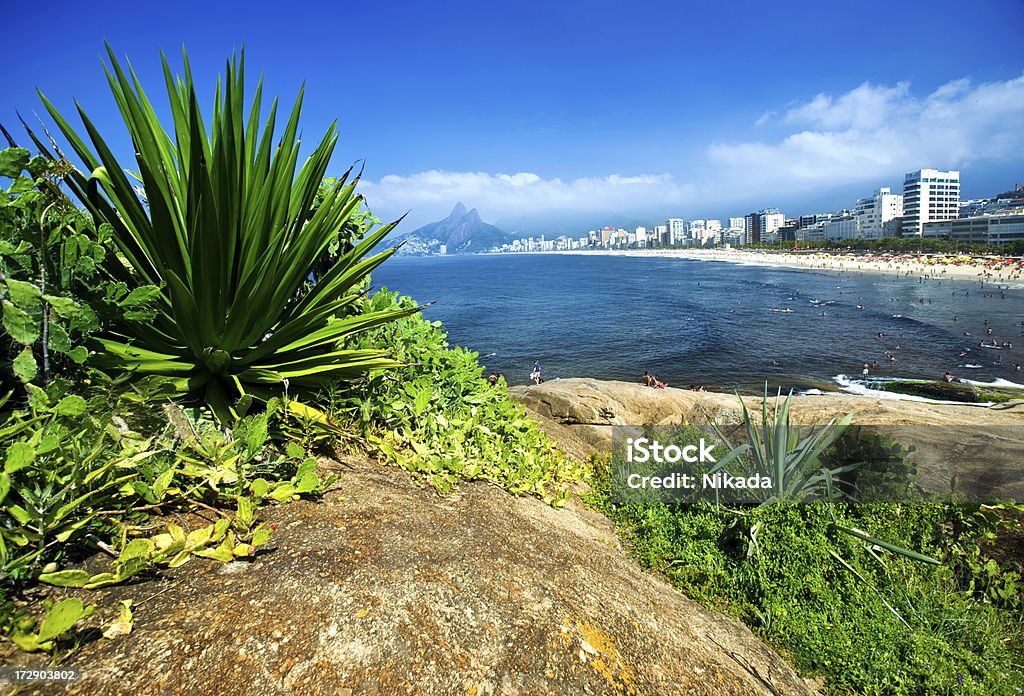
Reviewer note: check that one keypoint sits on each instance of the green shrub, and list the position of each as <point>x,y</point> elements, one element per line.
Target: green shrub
<point>835,604</point>
<point>80,474</point>
<point>52,292</point>
<point>438,416</point>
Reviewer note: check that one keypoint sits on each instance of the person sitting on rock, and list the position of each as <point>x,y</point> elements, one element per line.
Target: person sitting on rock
<point>647,380</point>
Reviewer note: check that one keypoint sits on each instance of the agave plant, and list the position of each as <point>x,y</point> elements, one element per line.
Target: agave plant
<point>775,449</point>
<point>228,228</point>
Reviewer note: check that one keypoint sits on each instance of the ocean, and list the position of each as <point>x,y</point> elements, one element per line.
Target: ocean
<point>722,326</point>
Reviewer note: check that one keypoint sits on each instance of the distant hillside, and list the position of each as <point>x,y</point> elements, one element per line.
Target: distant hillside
<point>461,232</point>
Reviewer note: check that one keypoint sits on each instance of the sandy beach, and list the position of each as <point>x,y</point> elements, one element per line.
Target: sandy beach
<point>1001,271</point>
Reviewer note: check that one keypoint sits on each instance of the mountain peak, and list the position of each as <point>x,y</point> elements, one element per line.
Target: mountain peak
<point>462,231</point>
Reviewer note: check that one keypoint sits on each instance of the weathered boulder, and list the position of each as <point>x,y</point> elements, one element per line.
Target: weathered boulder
<point>387,588</point>
<point>974,449</point>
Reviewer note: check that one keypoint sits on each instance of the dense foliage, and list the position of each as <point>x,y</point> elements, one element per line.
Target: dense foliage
<point>52,292</point>
<point>156,341</point>
<point>439,417</point>
<point>865,614</point>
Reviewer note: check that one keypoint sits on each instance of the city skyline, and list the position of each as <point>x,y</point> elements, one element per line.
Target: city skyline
<point>939,212</point>
<point>560,116</point>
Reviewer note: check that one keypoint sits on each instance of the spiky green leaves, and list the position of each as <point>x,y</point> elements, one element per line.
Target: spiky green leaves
<point>229,228</point>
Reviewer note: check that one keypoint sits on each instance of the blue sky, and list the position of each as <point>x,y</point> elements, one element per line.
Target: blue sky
<point>572,114</point>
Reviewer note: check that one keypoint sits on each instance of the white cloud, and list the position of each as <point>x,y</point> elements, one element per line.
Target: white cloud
<point>872,132</point>
<point>432,194</point>
<point>875,130</point>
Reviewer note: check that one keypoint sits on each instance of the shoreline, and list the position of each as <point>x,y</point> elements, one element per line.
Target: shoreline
<point>903,266</point>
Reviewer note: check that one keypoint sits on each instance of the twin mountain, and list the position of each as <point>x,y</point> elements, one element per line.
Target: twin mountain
<point>462,232</point>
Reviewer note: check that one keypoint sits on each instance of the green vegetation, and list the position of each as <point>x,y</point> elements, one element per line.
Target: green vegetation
<point>904,597</point>
<point>776,450</point>
<point>905,245</point>
<point>439,418</point>
<point>224,242</point>
<point>952,391</point>
<point>155,344</point>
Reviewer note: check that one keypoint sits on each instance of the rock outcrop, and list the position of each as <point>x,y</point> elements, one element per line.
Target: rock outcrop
<point>386,588</point>
<point>975,449</point>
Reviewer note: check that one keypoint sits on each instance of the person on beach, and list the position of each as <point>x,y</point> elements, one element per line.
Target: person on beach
<point>647,380</point>
<point>866,370</point>
<point>535,375</point>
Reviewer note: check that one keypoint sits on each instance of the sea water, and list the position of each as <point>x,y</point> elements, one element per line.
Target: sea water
<point>712,324</point>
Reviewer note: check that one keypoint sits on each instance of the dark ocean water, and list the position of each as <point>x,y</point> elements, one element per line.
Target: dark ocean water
<point>720,325</point>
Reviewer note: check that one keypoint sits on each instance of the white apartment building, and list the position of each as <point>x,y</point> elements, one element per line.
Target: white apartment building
<point>695,228</point>
<point>660,235</point>
<point>929,195</point>
<point>838,228</point>
<point>676,230</point>
<point>640,233</point>
<point>737,223</point>
<point>872,213</point>
<point>814,232</point>
<point>769,223</point>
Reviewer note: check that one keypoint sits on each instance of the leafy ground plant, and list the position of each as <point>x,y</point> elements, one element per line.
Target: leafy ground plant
<point>77,477</point>
<point>856,608</point>
<point>440,419</point>
<point>52,292</point>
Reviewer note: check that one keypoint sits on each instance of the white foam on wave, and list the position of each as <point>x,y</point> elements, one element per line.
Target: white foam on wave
<point>997,382</point>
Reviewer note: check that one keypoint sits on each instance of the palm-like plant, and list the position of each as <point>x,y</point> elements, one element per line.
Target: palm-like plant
<point>777,451</point>
<point>229,232</point>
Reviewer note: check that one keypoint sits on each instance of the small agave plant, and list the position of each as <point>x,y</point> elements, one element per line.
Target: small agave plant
<point>777,450</point>
<point>227,227</point>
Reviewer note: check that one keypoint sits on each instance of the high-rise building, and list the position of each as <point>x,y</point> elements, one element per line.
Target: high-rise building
<point>676,231</point>
<point>695,228</point>
<point>761,226</point>
<point>872,213</point>
<point>751,228</point>
<point>929,195</point>
<point>660,235</point>
<point>737,223</point>
<point>771,220</point>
